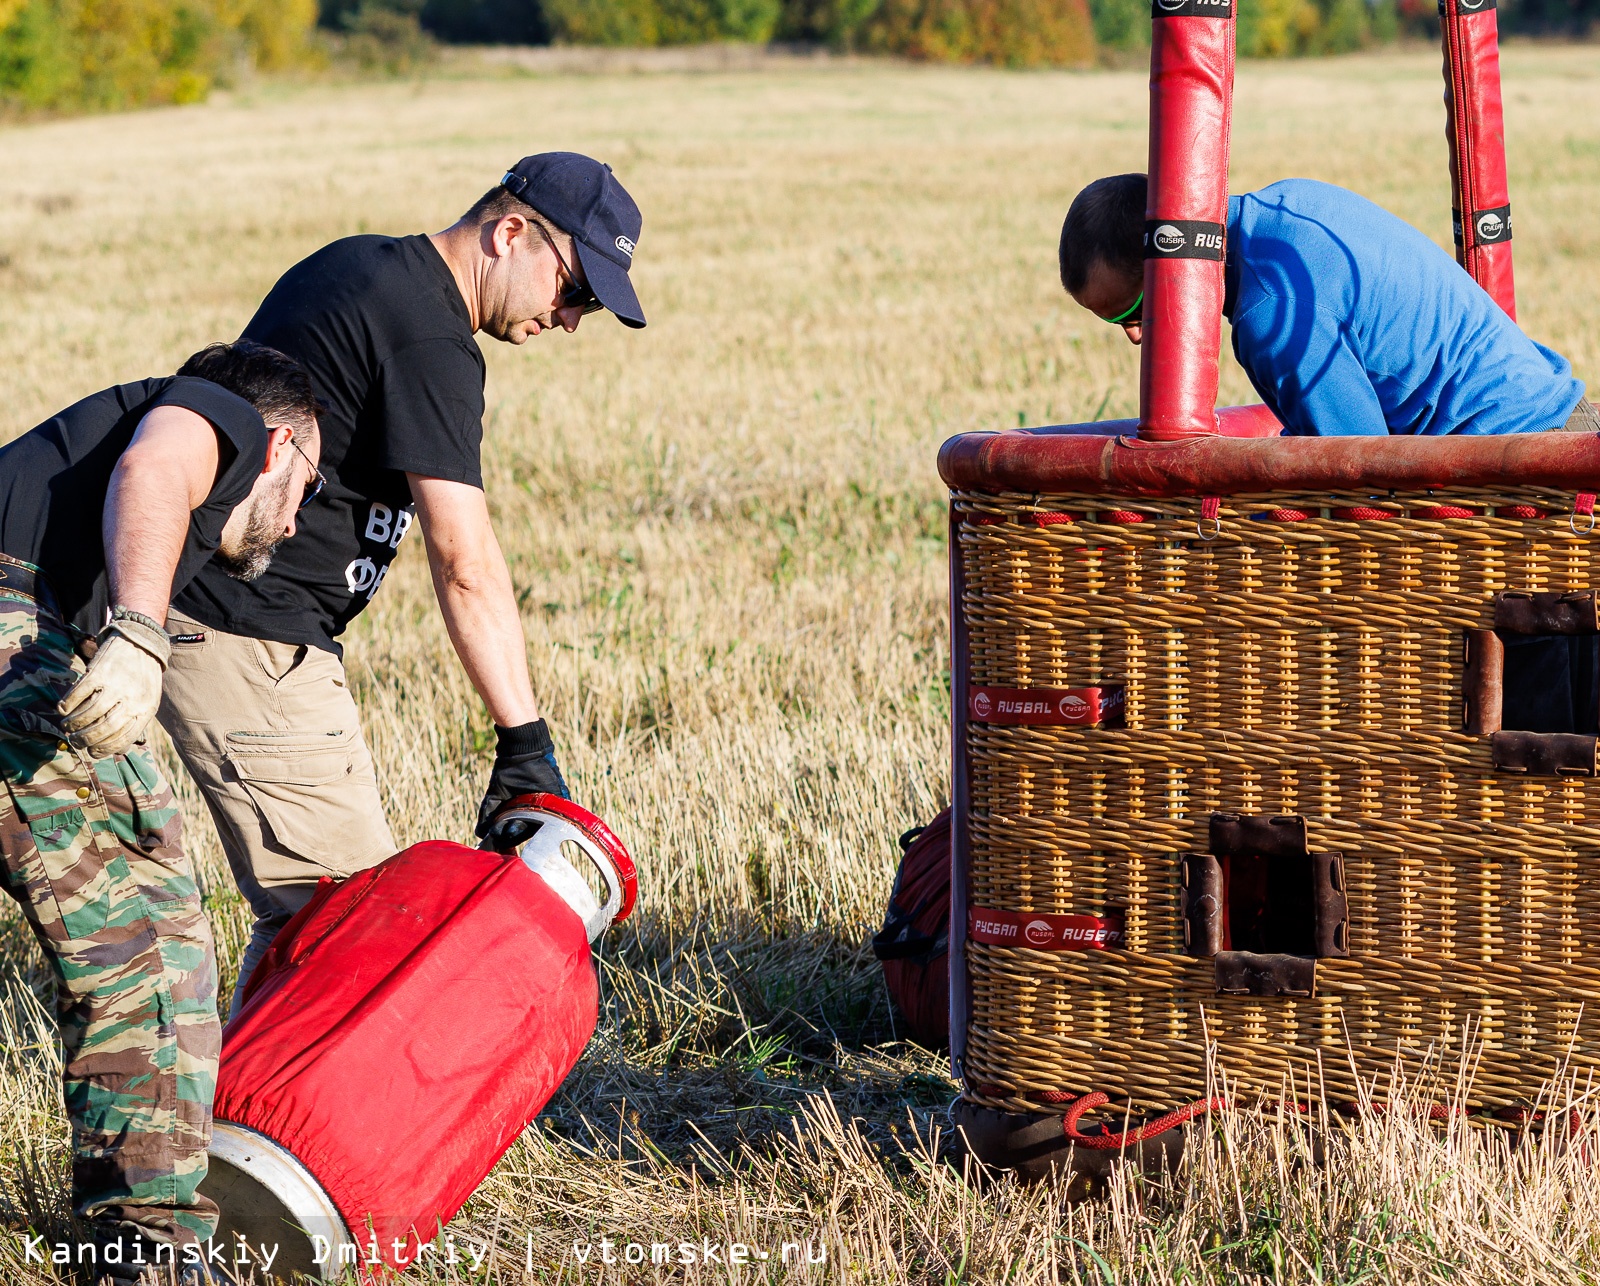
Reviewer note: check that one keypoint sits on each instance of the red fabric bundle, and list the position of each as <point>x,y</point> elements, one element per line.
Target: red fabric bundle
<point>914,941</point>
<point>405,1027</point>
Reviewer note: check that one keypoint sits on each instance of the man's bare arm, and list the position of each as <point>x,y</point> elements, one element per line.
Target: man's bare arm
<point>473,585</point>
<point>166,473</point>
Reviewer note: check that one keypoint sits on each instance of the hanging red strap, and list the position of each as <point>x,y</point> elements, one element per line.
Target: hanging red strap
<point>1475,126</point>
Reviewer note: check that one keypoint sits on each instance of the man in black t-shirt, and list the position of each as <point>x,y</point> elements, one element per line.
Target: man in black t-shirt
<point>104,509</point>
<point>256,700</point>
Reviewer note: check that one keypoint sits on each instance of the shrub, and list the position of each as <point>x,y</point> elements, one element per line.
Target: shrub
<point>1284,28</point>
<point>103,54</point>
<point>1012,33</point>
<point>661,22</point>
<point>380,38</point>
<point>829,22</point>
<point>1277,28</point>
<point>603,22</point>
<point>1121,24</point>
<point>1018,33</point>
<point>276,33</point>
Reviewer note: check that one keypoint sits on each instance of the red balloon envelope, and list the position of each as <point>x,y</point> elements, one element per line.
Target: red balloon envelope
<point>401,1032</point>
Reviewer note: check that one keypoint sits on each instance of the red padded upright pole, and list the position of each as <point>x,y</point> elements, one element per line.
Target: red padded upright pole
<point>1475,126</point>
<point>1191,102</point>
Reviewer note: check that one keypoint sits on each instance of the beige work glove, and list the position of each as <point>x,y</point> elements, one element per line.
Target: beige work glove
<point>108,709</point>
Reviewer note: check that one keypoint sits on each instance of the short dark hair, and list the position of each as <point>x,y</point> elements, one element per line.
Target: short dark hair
<point>1104,225</point>
<point>272,382</point>
<point>498,202</point>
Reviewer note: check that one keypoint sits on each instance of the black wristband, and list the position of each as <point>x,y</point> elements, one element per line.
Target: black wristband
<point>525,739</point>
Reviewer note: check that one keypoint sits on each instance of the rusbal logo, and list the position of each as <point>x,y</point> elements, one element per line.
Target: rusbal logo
<point>1490,225</point>
<point>982,707</point>
<point>1021,709</point>
<point>1072,706</point>
<point>1044,931</point>
<point>1169,6</point>
<point>1169,239</point>
<point>625,244</point>
<point>1469,5</point>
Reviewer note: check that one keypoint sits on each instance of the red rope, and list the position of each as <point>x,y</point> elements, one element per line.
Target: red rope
<point>1104,1142</point>
<point>1518,511</point>
<point>1288,515</point>
<point>1121,515</point>
<point>1436,1111</point>
<point>1444,511</point>
<point>1052,519</point>
<point>1364,513</point>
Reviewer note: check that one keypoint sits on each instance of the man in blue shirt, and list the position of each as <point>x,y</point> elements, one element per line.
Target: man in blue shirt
<point>1346,319</point>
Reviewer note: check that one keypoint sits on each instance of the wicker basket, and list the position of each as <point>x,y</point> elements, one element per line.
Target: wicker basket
<point>1334,812</point>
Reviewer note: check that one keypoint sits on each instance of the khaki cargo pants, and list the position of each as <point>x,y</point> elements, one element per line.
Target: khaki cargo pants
<point>270,734</point>
<point>91,849</point>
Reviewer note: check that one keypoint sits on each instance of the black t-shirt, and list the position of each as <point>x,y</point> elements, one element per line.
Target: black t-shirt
<point>53,482</point>
<point>381,328</point>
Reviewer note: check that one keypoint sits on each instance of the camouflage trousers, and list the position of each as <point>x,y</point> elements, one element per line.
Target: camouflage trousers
<point>91,850</point>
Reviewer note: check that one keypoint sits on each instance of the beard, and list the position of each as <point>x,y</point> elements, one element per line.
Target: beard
<point>263,533</point>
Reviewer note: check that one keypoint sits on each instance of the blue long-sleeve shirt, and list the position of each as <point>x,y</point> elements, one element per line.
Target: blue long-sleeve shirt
<point>1348,320</point>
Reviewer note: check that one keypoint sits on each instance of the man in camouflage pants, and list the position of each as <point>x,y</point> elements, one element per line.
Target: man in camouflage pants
<point>104,509</point>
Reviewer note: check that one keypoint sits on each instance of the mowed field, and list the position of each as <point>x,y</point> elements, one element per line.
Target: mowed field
<point>728,537</point>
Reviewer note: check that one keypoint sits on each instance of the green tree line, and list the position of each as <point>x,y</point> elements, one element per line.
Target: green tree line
<point>103,54</point>
<point>1008,32</point>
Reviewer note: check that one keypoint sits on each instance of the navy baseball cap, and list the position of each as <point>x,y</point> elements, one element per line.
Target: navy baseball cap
<point>583,198</point>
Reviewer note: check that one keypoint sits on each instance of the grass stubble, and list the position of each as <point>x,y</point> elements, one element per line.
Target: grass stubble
<point>728,538</point>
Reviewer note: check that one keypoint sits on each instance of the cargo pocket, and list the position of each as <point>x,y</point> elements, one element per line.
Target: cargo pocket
<point>68,887</point>
<point>153,822</point>
<point>279,660</point>
<point>306,789</point>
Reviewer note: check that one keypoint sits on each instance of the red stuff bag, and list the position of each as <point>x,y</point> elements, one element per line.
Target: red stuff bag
<point>405,1027</point>
<point>914,943</point>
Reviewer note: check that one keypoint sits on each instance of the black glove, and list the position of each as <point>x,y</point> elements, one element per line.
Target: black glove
<point>524,764</point>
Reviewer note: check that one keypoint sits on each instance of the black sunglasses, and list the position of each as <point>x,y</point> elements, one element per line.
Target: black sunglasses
<point>315,486</point>
<point>575,295</point>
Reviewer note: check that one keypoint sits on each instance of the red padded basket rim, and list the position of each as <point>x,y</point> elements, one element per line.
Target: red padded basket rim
<point>1072,460</point>
<point>596,830</point>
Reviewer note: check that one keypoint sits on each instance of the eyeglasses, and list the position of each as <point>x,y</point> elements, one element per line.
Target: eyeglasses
<point>318,482</point>
<point>575,295</point>
<point>1130,316</point>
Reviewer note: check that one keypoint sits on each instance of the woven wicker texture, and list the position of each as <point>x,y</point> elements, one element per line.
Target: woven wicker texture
<point>1308,659</point>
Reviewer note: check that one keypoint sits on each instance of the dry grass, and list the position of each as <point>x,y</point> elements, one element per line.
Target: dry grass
<point>729,539</point>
